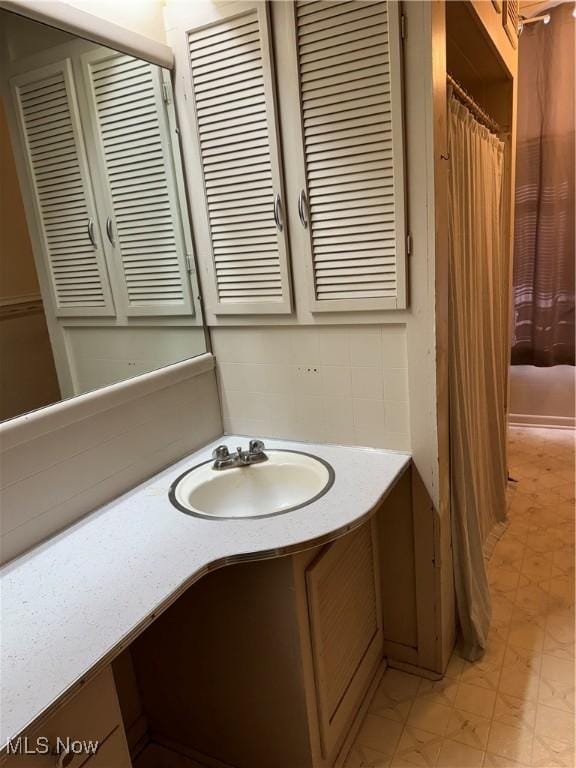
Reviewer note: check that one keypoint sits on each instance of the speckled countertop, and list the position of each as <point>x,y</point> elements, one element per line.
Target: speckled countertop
<point>70,605</point>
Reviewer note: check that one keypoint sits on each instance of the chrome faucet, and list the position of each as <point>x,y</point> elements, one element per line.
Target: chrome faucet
<point>223,459</point>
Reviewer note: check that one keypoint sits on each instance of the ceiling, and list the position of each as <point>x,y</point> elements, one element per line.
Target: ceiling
<point>530,8</point>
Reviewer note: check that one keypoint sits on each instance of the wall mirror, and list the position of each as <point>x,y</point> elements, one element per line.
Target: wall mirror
<point>97,274</point>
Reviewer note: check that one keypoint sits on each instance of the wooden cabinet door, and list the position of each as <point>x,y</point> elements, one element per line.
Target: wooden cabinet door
<point>511,20</point>
<point>89,717</point>
<point>113,753</point>
<point>348,117</point>
<point>345,630</point>
<point>231,91</point>
<point>59,190</point>
<point>125,116</point>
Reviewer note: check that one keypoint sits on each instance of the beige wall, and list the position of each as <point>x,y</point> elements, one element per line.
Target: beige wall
<point>17,270</point>
<point>28,376</point>
<point>543,396</point>
<point>142,16</point>
<point>22,37</point>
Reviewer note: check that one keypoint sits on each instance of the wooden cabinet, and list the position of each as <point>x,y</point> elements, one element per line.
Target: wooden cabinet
<point>344,630</point>
<point>97,151</point>
<point>126,119</point>
<point>46,107</point>
<point>113,753</point>
<point>229,62</point>
<point>511,20</point>
<point>267,664</point>
<point>86,731</point>
<point>347,121</point>
<point>334,92</point>
<point>500,31</point>
<point>95,138</point>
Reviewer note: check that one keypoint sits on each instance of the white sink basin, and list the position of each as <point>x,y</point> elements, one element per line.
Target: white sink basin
<point>286,481</point>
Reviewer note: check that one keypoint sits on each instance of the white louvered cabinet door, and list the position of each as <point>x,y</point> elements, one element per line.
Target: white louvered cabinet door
<point>60,190</point>
<point>141,208</point>
<point>231,73</point>
<point>352,194</point>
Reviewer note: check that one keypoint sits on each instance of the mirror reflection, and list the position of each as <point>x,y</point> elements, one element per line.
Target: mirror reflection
<point>97,277</point>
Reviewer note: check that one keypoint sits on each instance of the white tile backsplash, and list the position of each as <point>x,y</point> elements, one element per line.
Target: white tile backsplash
<point>396,416</point>
<point>396,384</point>
<point>305,347</point>
<point>334,347</point>
<point>339,420</point>
<point>336,380</point>
<point>345,384</point>
<point>369,421</point>
<point>365,348</point>
<point>367,382</point>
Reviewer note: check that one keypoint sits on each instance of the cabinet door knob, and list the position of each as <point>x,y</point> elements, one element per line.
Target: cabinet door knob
<point>303,208</point>
<point>109,231</point>
<point>90,230</point>
<point>278,212</point>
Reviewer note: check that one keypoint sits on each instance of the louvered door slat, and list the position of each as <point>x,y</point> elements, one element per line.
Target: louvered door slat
<point>48,121</point>
<point>511,19</point>
<point>345,630</point>
<point>132,137</point>
<point>348,57</point>
<point>231,78</point>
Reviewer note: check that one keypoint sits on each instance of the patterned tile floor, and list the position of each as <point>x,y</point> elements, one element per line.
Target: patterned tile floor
<point>515,707</point>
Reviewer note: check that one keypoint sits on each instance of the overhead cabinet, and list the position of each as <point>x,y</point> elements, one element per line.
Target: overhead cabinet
<point>130,147</point>
<point>346,209</point>
<point>230,59</point>
<point>352,195</point>
<point>95,141</point>
<point>49,121</point>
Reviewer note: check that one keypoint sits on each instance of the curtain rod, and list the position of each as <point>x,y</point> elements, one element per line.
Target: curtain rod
<point>482,116</point>
<point>545,18</point>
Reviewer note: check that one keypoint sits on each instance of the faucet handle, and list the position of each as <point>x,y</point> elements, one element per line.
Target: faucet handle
<point>256,446</point>
<point>221,453</point>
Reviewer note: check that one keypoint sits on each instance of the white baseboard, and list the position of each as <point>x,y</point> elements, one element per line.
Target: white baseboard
<point>547,422</point>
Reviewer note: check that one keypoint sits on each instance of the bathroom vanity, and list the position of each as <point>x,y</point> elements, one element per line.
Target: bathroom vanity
<point>267,661</point>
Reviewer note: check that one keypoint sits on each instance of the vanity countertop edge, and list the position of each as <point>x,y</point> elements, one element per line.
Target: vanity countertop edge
<point>74,602</point>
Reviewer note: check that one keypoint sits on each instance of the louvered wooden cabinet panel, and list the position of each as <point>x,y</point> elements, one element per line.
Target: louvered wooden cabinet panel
<point>352,192</point>
<point>511,20</point>
<point>345,630</point>
<point>131,147</point>
<point>59,183</point>
<point>230,65</point>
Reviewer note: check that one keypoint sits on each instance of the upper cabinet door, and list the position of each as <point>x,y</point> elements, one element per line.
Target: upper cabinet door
<point>511,20</point>
<point>351,198</point>
<point>231,73</point>
<point>131,147</point>
<point>60,191</point>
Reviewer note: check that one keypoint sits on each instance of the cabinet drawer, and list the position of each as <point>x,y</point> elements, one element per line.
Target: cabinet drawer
<point>345,630</point>
<point>91,715</point>
<point>113,753</point>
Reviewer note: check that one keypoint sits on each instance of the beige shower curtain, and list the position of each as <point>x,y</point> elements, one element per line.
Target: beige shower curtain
<point>478,356</point>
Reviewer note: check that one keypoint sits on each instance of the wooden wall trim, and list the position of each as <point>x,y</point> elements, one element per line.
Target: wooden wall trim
<point>20,306</point>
